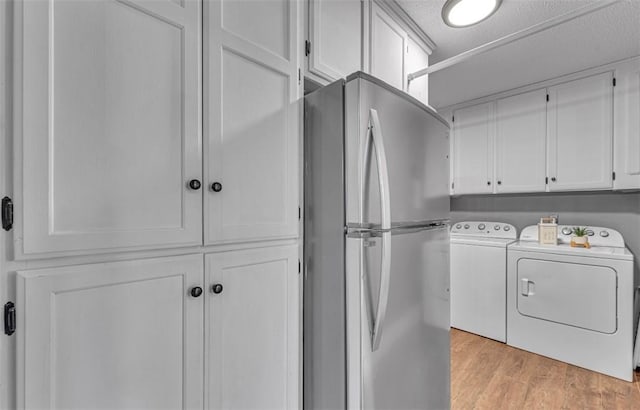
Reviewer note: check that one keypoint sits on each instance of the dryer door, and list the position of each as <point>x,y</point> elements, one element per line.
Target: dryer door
<point>572,294</point>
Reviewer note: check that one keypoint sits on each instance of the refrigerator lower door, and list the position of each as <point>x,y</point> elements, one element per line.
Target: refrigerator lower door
<point>409,369</point>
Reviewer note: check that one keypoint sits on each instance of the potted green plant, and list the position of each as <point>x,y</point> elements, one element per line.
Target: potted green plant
<point>580,236</point>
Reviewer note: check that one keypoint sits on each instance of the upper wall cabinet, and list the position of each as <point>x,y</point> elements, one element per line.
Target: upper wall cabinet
<point>520,155</point>
<point>388,47</point>
<point>580,134</point>
<point>417,59</point>
<point>252,123</point>
<point>335,38</point>
<point>107,146</point>
<point>344,36</point>
<point>473,149</point>
<point>626,156</point>
<point>559,138</point>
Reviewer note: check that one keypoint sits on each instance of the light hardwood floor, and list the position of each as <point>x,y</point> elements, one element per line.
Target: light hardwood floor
<point>486,374</point>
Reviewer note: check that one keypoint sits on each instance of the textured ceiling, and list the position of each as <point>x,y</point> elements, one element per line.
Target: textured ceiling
<point>607,35</point>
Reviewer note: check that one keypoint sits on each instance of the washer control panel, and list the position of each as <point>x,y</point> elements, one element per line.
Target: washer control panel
<point>484,229</point>
<point>598,236</point>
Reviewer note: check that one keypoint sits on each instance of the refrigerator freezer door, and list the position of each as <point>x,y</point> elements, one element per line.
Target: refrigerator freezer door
<point>410,367</point>
<point>416,143</point>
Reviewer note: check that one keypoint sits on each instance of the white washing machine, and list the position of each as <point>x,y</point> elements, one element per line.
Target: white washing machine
<point>478,277</point>
<point>573,304</point>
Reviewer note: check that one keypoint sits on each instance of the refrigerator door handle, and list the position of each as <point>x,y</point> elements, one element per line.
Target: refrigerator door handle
<point>375,132</point>
<point>383,293</point>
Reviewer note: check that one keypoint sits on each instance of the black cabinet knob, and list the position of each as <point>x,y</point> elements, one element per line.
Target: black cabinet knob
<point>217,288</point>
<point>196,291</point>
<point>499,182</point>
<point>194,184</point>
<point>488,182</point>
<point>553,179</point>
<point>216,187</point>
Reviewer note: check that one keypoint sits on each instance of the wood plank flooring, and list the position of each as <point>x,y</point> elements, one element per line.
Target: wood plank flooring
<point>486,374</point>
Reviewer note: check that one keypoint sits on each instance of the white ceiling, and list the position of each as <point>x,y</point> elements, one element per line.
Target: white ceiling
<point>607,35</point>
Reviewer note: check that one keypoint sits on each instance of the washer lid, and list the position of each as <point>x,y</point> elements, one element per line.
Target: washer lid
<point>606,252</point>
<point>481,241</point>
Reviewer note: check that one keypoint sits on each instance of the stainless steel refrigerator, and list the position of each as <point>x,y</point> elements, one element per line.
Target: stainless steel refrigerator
<point>376,266</point>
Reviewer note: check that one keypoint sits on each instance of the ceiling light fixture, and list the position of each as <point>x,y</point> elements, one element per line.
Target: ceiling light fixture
<point>464,13</point>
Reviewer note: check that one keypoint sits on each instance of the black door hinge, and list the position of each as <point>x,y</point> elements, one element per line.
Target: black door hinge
<point>613,175</point>
<point>452,185</point>
<point>299,266</point>
<point>547,97</point>
<point>546,180</point>
<point>7,213</point>
<point>9,318</point>
<point>307,47</point>
<point>299,213</point>
<point>614,81</point>
<point>453,118</point>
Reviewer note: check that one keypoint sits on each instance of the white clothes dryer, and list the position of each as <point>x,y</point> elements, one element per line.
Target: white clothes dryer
<point>573,304</point>
<point>479,277</point>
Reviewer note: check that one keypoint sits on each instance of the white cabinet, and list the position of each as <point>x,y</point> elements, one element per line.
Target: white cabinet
<point>141,334</point>
<point>118,335</point>
<point>253,329</point>
<point>473,129</point>
<point>106,116</point>
<point>128,139</point>
<point>520,155</point>
<point>335,38</point>
<point>580,134</point>
<point>344,36</point>
<point>554,139</point>
<point>251,120</point>
<point>109,146</point>
<point>626,156</point>
<point>388,46</point>
<point>417,59</point>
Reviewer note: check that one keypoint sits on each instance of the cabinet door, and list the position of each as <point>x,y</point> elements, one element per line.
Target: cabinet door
<point>252,120</point>
<point>253,329</point>
<point>473,129</point>
<point>335,33</point>
<point>118,335</point>
<point>388,48</point>
<point>580,131</point>
<point>417,59</point>
<point>106,121</point>
<point>521,123</point>
<point>626,156</point>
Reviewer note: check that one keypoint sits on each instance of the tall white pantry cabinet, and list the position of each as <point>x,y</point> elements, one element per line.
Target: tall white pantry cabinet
<point>155,180</point>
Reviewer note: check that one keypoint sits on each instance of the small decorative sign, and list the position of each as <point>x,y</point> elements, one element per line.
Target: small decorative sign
<point>548,231</point>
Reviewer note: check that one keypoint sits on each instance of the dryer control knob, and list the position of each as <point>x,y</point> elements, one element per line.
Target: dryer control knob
<point>458,226</point>
<point>497,227</point>
<point>507,228</point>
<point>604,234</point>
<point>590,232</point>
<point>566,231</point>
<point>481,227</point>
<point>466,226</point>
